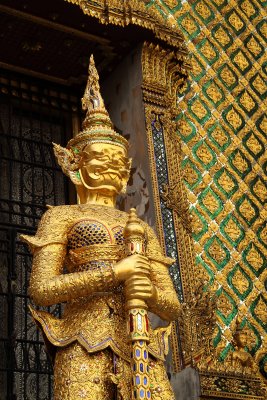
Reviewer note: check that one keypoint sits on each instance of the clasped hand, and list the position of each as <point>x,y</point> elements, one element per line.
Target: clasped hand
<point>134,271</point>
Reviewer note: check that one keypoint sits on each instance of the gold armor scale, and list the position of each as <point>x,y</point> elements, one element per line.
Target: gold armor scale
<point>87,240</point>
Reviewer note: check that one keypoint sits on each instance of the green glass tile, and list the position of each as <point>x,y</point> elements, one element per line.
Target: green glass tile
<point>261,28</point>
<point>187,130</point>
<point>161,10</point>
<point>219,136</point>
<point>218,336</point>
<point>204,154</point>
<point>173,8</point>
<point>254,259</point>
<point>241,61</point>
<point>150,3</point>
<point>217,252</point>
<point>199,109</point>
<point>259,85</point>
<point>262,234</point>
<point>199,69</point>
<point>228,306</point>
<point>238,274</point>
<point>203,11</point>
<point>233,118</point>
<point>254,46</point>
<point>254,333</point>
<point>222,36</point>
<point>247,102</point>
<point>240,163</point>
<point>247,209</point>
<point>229,348</point>
<point>210,202</point>
<point>189,26</point>
<point>235,21</point>
<point>202,226</point>
<point>254,145</point>
<point>227,76</point>
<point>263,3</point>
<point>226,182</point>
<point>213,93</point>
<point>232,230</point>
<point>253,10</point>
<point>261,124</point>
<point>209,272</point>
<point>220,4</point>
<point>258,310</point>
<point>208,51</point>
<point>258,187</point>
<point>192,175</point>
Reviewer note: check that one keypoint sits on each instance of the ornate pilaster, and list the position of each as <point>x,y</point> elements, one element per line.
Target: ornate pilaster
<point>163,73</point>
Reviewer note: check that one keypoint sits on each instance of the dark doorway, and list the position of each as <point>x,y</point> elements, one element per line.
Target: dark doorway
<point>33,114</point>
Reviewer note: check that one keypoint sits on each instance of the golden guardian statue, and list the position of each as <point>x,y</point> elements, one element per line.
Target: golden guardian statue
<point>108,269</point>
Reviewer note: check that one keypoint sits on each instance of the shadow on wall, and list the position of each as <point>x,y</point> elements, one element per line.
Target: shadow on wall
<point>186,384</point>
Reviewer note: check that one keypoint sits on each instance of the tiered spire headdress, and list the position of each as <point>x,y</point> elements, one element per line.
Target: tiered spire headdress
<point>96,128</point>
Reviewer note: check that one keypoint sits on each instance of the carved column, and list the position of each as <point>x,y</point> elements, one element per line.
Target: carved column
<point>163,73</point>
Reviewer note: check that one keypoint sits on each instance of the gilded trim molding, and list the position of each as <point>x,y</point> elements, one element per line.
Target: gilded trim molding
<point>134,12</point>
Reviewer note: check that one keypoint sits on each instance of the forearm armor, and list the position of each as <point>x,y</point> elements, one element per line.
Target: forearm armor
<point>166,305</point>
<point>49,285</point>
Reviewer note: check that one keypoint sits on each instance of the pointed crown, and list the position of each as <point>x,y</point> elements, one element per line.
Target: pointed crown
<point>97,126</point>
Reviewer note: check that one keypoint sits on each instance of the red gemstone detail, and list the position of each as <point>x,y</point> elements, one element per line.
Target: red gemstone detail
<point>147,324</point>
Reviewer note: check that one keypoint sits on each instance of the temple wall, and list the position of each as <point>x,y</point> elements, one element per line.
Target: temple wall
<point>222,129</point>
<point>123,96</point>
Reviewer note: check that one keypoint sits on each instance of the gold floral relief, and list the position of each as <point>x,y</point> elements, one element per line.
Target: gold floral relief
<point>235,21</point>
<point>214,93</point>
<point>247,101</point>
<point>234,119</point>
<point>254,144</point>
<point>255,258</point>
<point>222,36</point>
<point>261,190</point>
<point>226,182</point>
<point>247,210</point>
<point>239,162</point>
<point>241,61</point>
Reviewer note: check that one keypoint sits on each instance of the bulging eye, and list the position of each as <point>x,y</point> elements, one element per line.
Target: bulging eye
<point>98,170</point>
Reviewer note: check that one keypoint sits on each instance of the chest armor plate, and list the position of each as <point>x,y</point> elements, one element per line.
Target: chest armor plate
<point>91,242</point>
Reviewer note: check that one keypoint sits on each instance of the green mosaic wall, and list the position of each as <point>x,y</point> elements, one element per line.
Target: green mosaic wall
<point>223,129</point>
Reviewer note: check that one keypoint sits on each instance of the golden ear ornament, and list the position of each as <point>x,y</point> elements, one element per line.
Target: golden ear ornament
<point>69,161</point>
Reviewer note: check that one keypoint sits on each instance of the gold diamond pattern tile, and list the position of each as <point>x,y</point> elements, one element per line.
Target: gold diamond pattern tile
<point>226,105</point>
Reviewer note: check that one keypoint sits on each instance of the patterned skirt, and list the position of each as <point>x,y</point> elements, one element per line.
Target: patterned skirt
<point>102,376</point>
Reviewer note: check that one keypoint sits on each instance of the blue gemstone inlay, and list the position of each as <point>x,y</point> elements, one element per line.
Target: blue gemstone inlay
<point>145,354</point>
<point>167,214</point>
<point>141,342</point>
<point>145,380</point>
<point>137,380</point>
<point>148,394</point>
<point>137,352</point>
<point>141,367</point>
<point>142,393</point>
<point>134,367</point>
